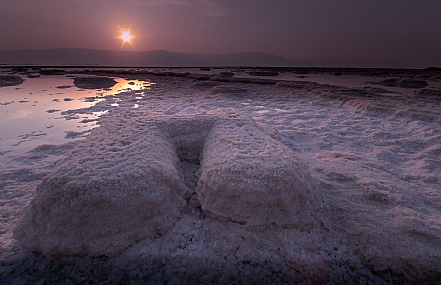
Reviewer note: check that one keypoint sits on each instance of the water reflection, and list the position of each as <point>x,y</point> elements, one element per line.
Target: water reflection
<point>31,114</point>
<point>133,86</point>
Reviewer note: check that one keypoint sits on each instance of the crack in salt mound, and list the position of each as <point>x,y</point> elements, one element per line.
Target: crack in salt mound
<point>124,182</point>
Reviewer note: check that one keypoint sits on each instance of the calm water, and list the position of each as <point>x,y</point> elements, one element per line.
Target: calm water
<point>31,113</point>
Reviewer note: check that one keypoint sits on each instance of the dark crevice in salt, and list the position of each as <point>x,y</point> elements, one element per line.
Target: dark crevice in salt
<point>190,164</point>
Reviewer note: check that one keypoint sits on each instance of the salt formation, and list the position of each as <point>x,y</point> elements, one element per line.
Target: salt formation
<point>94,82</point>
<point>10,80</point>
<point>249,178</point>
<point>124,183</point>
<point>119,185</point>
<point>52,72</point>
<point>404,83</point>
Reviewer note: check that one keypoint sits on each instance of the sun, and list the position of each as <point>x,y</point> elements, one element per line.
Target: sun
<point>126,36</point>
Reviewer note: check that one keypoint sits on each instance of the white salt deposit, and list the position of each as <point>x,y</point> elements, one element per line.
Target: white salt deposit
<point>375,210</point>
<point>109,193</point>
<point>106,194</point>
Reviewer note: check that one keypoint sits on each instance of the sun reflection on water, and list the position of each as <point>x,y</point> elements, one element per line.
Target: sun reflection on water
<point>132,86</point>
<point>32,114</point>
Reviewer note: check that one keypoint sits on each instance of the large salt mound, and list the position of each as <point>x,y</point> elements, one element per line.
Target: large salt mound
<point>250,178</point>
<point>119,185</point>
<point>124,183</point>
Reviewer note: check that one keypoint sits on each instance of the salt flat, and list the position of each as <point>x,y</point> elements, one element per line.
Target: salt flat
<point>372,149</point>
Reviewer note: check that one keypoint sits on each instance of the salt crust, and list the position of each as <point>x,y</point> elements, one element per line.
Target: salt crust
<point>378,173</point>
<point>123,183</point>
<point>248,178</point>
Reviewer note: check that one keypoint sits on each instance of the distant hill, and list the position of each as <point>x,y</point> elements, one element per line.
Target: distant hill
<point>129,58</point>
<point>162,58</point>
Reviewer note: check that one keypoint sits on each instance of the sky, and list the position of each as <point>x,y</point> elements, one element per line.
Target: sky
<point>405,31</point>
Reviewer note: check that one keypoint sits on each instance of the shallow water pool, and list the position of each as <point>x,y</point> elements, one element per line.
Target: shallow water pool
<point>32,113</point>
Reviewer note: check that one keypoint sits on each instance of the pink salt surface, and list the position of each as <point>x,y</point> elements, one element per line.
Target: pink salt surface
<point>376,161</point>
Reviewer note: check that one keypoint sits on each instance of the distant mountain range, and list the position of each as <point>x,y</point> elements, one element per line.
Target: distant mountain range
<point>162,58</point>
<point>130,58</point>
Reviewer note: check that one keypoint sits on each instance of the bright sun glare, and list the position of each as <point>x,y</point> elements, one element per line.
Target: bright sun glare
<point>126,36</point>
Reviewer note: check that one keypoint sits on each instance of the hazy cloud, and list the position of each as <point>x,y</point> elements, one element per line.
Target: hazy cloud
<point>210,8</point>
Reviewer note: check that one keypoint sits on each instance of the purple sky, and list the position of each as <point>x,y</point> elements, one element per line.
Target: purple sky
<point>404,30</point>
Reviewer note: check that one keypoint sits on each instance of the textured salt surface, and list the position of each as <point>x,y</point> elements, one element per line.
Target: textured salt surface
<point>376,160</point>
<point>108,193</point>
<point>249,178</point>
